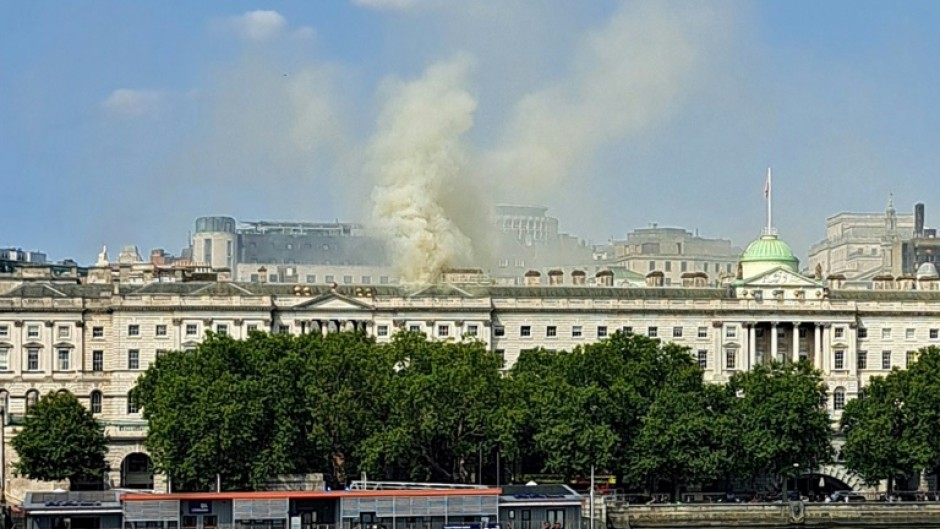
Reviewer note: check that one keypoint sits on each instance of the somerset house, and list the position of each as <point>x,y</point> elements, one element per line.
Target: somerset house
<point>93,336</point>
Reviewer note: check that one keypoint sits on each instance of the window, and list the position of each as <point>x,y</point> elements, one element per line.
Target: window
<point>703,332</point>
<point>272,278</point>
<point>730,360</point>
<point>652,265</point>
<point>934,334</point>
<point>64,356</point>
<point>909,334</point>
<point>4,359</point>
<point>4,331</point>
<point>95,402</point>
<point>602,331</point>
<point>131,405</point>
<point>551,331</point>
<point>576,331</point>
<point>886,360</point>
<point>97,361</point>
<point>253,278</point>
<point>32,359</point>
<point>683,266</point>
<point>32,397</point>
<point>555,516</point>
<point>311,278</point>
<point>252,327</point>
<point>627,329</point>
<point>525,331</point>
<point>191,329</point>
<point>443,330</point>
<point>652,332</point>
<point>863,359</point>
<point>677,332</point>
<point>32,331</point>
<point>885,333</point>
<point>221,329</point>
<point>731,331</point>
<point>839,362</point>
<point>133,330</point>
<point>382,330</point>
<point>862,333</point>
<point>501,354</point>
<point>838,399</point>
<point>63,331</point>
<point>414,328</point>
<point>133,359</point>
<point>758,333</point>
<point>283,328</point>
<point>347,280</point>
<point>702,357</point>
<point>383,280</point>
<point>499,331</point>
<point>910,358</point>
<point>668,266</point>
<point>160,330</point>
<point>473,330</point>
<point>365,280</point>
<point>839,332</point>
<point>329,278</point>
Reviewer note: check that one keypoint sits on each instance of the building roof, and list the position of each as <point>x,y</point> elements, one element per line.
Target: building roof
<point>270,495</point>
<point>72,501</point>
<point>770,249</point>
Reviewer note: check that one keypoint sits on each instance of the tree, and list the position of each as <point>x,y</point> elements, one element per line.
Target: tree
<point>685,435</point>
<point>919,407</point>
<point>781,419</point>
<point>61,439</point>
<point>876,431</point>
<point>269,405</point>
<point>441,420</point>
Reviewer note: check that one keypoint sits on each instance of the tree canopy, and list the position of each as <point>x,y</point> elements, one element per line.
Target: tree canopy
<point>60,440</point>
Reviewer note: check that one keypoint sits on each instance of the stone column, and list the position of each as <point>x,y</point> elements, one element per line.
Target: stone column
<point>852,353</point>
<point>752,345</point>
<point>773,341</point>
<point>720,361</point>
<point>826,349</point>
<point>817,347</point>
<point>796,342</point>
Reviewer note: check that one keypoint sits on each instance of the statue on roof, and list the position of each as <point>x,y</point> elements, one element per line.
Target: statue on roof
<point>818,271</point>
<point>103,257</point>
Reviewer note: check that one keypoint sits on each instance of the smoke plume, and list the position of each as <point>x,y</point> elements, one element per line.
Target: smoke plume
<point>418,157</point>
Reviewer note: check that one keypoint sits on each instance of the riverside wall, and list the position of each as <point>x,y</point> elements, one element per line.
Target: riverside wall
<point>794,514</point>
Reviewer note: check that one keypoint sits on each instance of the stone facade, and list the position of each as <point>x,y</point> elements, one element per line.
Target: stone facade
<point>94,340</point>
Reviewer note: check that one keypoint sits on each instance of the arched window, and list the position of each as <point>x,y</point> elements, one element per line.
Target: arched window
<point>5,404</point>
<point>32,397</point>
<point>838,398</point>
<point>95,402</point>
<point>131,405</point>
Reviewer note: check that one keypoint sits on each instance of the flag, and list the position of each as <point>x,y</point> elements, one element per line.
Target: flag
<point>767,185</point>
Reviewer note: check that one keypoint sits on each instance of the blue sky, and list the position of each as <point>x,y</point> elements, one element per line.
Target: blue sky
<point>120,122</point>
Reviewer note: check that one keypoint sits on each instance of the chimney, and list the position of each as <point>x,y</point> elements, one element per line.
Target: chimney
<point>919,219</point>
<point>654,279</point>
<point>578,277</point>
<point>604,278</point>
<point>533,278</point>
<point>556,277</point>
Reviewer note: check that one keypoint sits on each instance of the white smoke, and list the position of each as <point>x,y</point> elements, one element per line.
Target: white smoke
<point>625,77</point>
<point>418,157</point>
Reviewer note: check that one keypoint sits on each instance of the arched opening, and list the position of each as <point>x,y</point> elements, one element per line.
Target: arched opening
<point>817,486</point>
<point>137,471</point>
<point>32,397</point>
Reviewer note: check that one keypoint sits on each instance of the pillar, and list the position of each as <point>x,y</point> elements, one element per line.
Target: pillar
<point>817,346</point>
<point>852,354</point>
<point>826,349</point>
<point>752,344</point>
<point>719,357</point>
<point>796,342</point>
<point>773,341</point>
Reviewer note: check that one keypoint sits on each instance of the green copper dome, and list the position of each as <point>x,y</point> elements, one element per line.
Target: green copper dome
<point>770,249</point>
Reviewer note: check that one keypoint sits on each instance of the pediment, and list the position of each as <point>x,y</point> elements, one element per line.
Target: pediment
<point>782,278</point>
<point>333,301</point>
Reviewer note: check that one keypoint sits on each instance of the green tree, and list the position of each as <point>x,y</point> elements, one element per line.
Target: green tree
<point>919,408</point>
<point>781,419</point>
<point>685,434</point>
<point>876,431</point>
<point>61,439</point>
<point>441,417</point>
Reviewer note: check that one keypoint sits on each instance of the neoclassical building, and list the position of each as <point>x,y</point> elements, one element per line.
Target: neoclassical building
<point>94,336</point>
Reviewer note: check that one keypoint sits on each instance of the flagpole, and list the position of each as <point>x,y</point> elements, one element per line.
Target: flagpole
<point>770,191</point>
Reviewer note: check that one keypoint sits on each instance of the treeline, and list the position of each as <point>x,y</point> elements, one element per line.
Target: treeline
<point>414,409</point>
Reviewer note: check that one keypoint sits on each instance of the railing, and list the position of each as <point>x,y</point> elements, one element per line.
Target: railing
<point>404,485</point>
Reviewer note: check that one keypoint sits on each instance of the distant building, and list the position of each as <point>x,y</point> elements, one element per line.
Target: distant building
<point>675,252</point>
<point>862,246</point>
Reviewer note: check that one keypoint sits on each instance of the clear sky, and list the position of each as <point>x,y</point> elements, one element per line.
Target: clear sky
<point>120,122</point>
